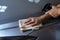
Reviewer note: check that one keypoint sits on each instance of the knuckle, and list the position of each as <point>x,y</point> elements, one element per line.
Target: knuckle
<point>33,20</point>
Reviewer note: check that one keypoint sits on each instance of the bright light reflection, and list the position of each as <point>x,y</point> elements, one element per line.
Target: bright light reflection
<point>3,8</point>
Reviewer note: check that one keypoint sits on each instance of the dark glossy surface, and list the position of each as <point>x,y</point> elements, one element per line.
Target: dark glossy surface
<point>48,32</point>
<point>20,38</point>
<point>51,32</point>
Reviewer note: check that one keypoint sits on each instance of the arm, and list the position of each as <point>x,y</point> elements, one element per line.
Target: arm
<point>54,12</point>
<point>45,16</point>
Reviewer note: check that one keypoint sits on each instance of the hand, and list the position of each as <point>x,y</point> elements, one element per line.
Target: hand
<point>33,21</point>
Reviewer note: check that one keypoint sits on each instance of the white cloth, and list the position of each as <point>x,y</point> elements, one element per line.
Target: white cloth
<point>27,27</point>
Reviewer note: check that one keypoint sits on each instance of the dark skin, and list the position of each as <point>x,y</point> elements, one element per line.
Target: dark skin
<point>54,12</point>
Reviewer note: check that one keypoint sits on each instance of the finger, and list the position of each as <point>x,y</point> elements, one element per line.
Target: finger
<point>34,24</point>
<point>23,26</point>
<point>32,21</point>
<point>28,20</point>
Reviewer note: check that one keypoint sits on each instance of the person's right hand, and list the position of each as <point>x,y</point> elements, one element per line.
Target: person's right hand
<point>33,21</point>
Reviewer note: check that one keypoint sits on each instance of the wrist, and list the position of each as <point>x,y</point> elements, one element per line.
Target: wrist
<point>43,17</point>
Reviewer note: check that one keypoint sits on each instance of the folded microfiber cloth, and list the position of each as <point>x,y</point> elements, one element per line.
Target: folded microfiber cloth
<point>24,27</point>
